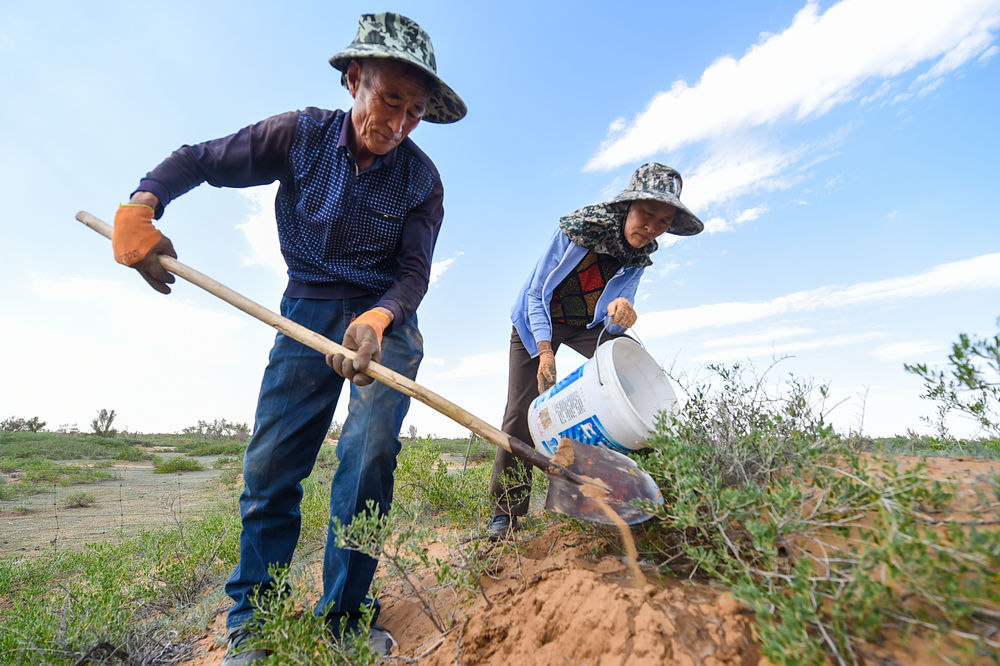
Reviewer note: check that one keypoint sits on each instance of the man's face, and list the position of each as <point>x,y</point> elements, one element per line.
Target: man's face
<point>389,101</point>
<point>646,220</point>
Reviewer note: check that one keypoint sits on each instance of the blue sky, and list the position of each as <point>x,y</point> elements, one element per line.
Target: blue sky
<point>842,154</point>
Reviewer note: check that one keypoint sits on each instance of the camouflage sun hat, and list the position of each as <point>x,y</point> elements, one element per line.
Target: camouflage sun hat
<point>656,182</point>
<point>390,35</point>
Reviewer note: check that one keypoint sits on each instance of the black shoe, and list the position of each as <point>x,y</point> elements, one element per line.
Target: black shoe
<point>236,654</point>
<point>501,527</point>
<point>381,641</point>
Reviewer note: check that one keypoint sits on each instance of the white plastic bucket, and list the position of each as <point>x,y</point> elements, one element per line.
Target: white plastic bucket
<point>611,400</point>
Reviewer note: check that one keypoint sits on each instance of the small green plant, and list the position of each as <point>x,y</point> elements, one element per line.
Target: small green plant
<point>295,635</point>
<point>969,386</point>
<point>79,499</point>
<point>441,587</point>
<point>179,464</point>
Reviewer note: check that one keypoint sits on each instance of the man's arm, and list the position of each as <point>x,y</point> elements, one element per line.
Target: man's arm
<point>255,155</point>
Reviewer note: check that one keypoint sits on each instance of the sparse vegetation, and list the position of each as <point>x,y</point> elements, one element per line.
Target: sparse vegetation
<point>15,424</point>
<point>220,429</point>
<point>830,540</point>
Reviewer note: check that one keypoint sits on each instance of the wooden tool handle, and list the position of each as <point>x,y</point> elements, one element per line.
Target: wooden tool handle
<point>325,346</point>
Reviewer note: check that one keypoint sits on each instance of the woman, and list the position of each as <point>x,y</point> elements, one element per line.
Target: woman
<point>587,277</point>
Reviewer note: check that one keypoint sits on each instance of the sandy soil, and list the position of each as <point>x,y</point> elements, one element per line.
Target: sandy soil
<point>554,602</point>
<point>36,525</point>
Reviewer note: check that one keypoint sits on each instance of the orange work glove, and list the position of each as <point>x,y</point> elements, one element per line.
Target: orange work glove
<point>622,313</point>
<point>137,243</point>
<point>364,337</point>
<point>546,366</point>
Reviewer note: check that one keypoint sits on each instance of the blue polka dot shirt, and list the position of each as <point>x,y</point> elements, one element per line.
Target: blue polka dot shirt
<point>343,232</point>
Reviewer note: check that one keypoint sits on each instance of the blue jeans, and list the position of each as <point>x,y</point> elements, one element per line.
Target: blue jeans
<point>298,396</point>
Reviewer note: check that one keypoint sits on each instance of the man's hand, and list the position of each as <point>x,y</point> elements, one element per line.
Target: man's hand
<point>546,366</point>
<point>621,312</point>
<point>364,337</point>
<point>137,243</point>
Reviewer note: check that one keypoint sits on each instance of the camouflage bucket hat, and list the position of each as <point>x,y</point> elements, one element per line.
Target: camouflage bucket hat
<point>656,182</point>
<point>390,35</point>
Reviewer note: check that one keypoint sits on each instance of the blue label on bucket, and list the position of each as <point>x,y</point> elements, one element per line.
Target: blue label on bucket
<point>559,386</point>
<point>588,431</point>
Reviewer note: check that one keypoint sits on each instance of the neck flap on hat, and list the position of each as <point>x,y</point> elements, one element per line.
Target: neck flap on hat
<point>600,228</point>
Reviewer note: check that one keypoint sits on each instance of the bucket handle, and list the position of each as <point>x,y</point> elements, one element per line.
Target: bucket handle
<point>600,380</point>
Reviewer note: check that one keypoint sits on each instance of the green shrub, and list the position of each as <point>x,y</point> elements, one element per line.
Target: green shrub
<point>425,488</point>
<point>79,499</point>
<point>205,448</point>
<point>828,551</point>
<point>971,384</point>
<point>180,464</point>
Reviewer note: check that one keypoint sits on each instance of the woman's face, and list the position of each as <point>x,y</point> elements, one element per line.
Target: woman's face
<point>646,220</point>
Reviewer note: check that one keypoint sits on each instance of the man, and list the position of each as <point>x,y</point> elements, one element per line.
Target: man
<point>358,210</point>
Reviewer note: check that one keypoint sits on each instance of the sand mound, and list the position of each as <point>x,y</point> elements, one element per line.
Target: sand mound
<point>556,604</point>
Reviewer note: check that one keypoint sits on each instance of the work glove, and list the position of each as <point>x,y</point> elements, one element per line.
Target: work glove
<point>137,243</point>
<point>546,366</point>
<point>621,312</point>
<point>364,337</point>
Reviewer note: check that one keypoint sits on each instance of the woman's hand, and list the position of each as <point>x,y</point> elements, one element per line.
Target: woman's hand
<point>546,366</point>
<point>621,312</point>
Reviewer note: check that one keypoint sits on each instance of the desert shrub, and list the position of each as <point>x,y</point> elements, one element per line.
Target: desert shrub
<point>132,454</point>
<point>425,487</point>
<point>221,428</point>
<point>969,386</point>
<point>15,424</point>
<point>179,464</point>
<point>211,448</point>
<point>828,549</point>
<point>79,499</point>
<point>102,424</point>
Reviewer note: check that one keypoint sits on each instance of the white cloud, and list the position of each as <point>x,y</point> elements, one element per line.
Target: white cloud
<point>737,170</point>
<point>976,273</point>
<point>821,60</point>
<point>438,268</point>
<point>261,230</point>
<point>717,224</point>
<point>898,351</point>
<point>787,347</point>
<point>988,54</point>
<point>478,365</point>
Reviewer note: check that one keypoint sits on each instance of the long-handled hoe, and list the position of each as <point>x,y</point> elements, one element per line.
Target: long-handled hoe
<point>584,480</point>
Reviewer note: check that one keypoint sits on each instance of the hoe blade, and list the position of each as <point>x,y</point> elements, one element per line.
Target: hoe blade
<point>621,475</point>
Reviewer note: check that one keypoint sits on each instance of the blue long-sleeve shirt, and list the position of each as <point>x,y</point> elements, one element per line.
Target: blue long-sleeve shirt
<point>343,232</point>
<point>530,313</point>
